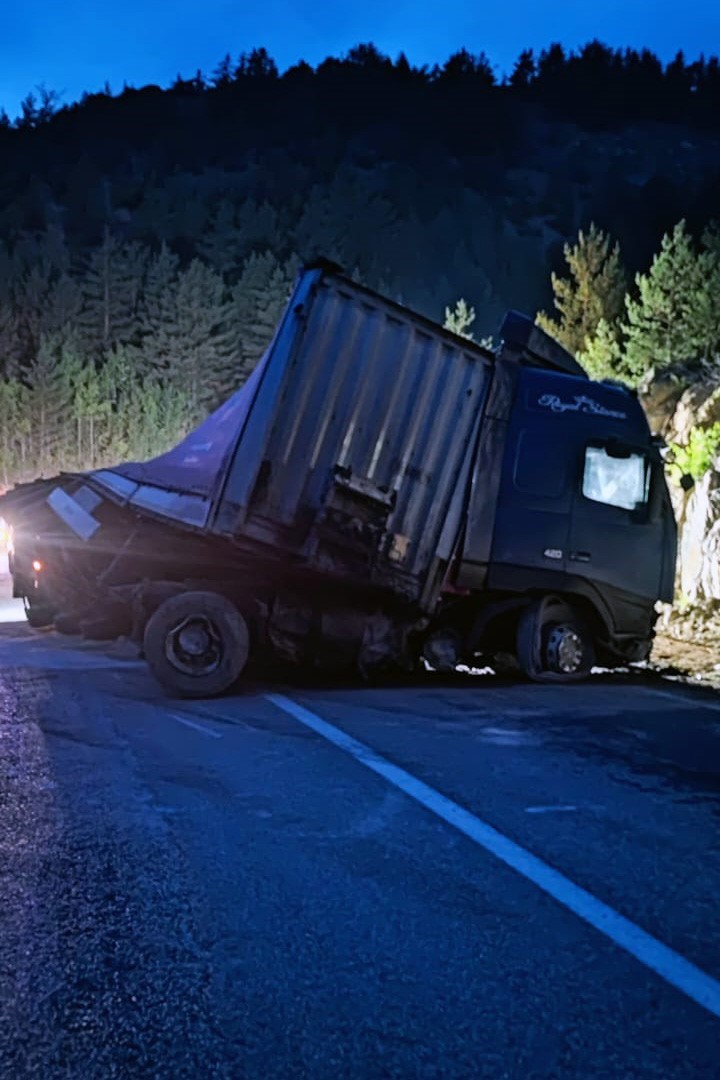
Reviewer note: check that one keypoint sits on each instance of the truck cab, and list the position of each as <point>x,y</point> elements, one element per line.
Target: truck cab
<point>584,506</point>
<point>579,523</point>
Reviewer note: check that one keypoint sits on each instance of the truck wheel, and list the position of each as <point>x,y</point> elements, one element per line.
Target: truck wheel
<point>39,616</point>
<point>197,644</point>
<point>554,643</point>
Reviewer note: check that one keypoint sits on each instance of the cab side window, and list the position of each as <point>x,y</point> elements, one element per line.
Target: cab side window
<point>540,465</point>
<point>615,481</point>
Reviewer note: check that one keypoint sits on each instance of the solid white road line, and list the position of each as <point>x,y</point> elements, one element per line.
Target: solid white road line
<point>196,727</point>
<point>664,961</point>
<point>685,699</point>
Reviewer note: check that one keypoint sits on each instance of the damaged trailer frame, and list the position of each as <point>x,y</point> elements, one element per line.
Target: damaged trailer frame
<point>380,491</point>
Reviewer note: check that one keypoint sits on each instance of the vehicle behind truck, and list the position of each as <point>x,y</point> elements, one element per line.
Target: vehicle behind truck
<point>380,494</point>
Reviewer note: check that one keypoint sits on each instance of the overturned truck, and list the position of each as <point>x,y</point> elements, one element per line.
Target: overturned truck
<point>380,493</point>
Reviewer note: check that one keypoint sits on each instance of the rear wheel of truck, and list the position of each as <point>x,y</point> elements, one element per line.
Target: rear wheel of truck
<point>554,642</point>
<point>197,644</point>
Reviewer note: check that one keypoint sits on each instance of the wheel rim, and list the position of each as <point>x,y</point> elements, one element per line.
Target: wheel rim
<point>194,646</point>
<point>564,650</point>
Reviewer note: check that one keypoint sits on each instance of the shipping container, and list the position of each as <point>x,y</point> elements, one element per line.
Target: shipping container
<point>347,449</point>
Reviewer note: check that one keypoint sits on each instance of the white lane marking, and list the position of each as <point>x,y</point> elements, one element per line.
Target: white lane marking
<point>550,809</point>
<point>196,727</point>
<point>664,961</point>
<point>684,699</point>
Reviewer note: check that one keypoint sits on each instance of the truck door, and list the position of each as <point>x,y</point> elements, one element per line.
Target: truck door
<point>535,501</point>
<point>616,535</point>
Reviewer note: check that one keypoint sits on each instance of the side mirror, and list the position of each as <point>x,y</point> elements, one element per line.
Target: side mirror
<point>687,482</point>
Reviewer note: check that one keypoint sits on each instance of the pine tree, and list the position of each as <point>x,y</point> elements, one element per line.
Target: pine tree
<point>29,112</point>
<point>62,309</point>
<point>89,405</point>
<point>257,64</point>
<point>323,226</point>
<point>14,432</point>
<point>194,344</point>
<point>111,289</point>
<point>524,71</point>
<point>156,309</point>
<point>120,390</point>
<point>260,297</point>
<point>235,231</point>
<point>258,229</point>
<point>11,351</point>
<point>222,75</point>
<point>707,296</point>
<point>676,315</point>
<point>459,319</point>
<point>48,411</point>
<point>154,417</point>
<point>40,298</point>
<point>594,290</point>
<point>602,356</point>
<point>222,245</point>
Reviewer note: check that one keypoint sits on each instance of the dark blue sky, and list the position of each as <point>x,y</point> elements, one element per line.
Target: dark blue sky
<point>76,45</point>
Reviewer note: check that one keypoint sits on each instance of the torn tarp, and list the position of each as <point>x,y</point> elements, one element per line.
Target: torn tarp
<point>181,483</point>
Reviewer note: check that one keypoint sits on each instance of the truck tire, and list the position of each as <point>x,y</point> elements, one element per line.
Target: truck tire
<point>39,615</point>
<point>554,642</point>
<point>197,644</point>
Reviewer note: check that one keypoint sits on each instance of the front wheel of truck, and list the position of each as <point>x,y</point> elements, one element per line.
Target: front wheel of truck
<point>554,642</point>
<point>197,644</point>
<point>39,615</point>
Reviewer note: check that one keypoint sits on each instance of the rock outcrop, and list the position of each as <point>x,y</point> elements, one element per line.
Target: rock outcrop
<point>676,404</point>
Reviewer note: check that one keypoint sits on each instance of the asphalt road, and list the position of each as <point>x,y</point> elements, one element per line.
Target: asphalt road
<point>458,878</point>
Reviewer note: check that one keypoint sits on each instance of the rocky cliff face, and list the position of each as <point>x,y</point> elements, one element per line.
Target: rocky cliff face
<point>678,404</point>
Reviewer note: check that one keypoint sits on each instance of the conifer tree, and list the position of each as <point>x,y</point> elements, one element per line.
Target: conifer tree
<point>524,71</point>
<point>14,432</point>
<point>195,344</point>
<point>675,317</point>
<point>602,355</point>
<point>48,411</point>
<point>594,290</point>
<point>260,296</point>
<point>459,319</point>
<point>156,311</point>
<point>222,75</point>
<point>222,246</point>
<point>11,352</point>
<point>89,407</point>
<point>111,289</point>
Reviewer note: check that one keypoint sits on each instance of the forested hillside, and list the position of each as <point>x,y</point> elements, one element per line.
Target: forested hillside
<point>148,240</point>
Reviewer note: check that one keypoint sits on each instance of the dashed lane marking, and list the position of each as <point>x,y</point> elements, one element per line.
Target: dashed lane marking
<point>196,727</point>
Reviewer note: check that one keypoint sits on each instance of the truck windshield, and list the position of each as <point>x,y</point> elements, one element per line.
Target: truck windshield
<point>615,481</point>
